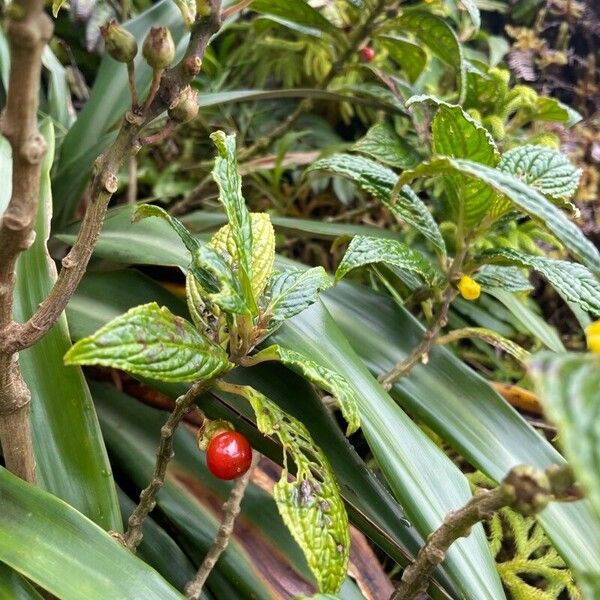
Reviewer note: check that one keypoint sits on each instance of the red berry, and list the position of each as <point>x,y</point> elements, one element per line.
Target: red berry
<point>228,455</point>
<point>367,54</point>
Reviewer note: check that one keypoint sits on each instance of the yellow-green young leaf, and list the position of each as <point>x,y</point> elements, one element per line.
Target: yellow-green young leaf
<point>197,304</point>
<point>544,169</point>
<point>152,342</point>
<point>291,292</point>
<point>56,6</point>
<point>321,376</point>
<point>571,280</point>
<point>263,249</point>
<point>188,11</point>
<point>364,250</point>
<point>311,506</point>
<point>569,387</point>
<point>551,109</point>
<point>225,173</point>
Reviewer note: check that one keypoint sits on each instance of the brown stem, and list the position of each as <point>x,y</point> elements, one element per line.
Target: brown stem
<point>28,29</point>
<point>135,101</point>
<point>133,536</point>
<point>156,77</point>
<point>16,337</point>
<point>525,489</point>
<point>231,510</point>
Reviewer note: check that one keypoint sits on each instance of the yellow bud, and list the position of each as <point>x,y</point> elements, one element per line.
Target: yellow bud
<point>469,289</point>
<point>592,333</point>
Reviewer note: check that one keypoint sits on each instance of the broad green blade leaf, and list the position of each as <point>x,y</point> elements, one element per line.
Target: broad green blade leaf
<point>292,291</point>
<point>69,450</point>
<point>225,173</point>
<point>15,587</point>
<point>325,378</point>
<point>103,296</point>
<point>524,197</point>
<point>385,145</point>
<point>367,251</point>
<point>67,554</point>
<point>109,99</point>
<point>511,279</point>
<point>379,181</point>
<point>59,94</point>
<point>571,280</point>
<point>551,109</point>
<point>530,320</point>
<point>544,169</point>
<point>463,409</point>
<point>435,33</point>
<point>569,387</point>
<point>310,506</point>
<point>295,13</point>
<point>411,57</point>
<point>412,464</point>
<point>152,342</point>
<point>456,134</point>
<point>263,249</point>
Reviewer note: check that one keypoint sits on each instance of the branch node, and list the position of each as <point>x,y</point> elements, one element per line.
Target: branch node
<point>34,148</point>
<point>68,262</point>
<point>110,183</point>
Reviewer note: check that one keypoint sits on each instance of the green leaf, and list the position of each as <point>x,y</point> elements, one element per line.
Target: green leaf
<point>188,11</point>
<point>411,57</point>
<point>310,506</point>
<point>15,587</point>
<point>471,8</point>
<point>56,5</point>
<point>379,181</point>
<point>571,280</point>
<point>66,554</point>
<point>544,169</point>
<point>384,144</point>
<point>263,249</point>
<point>456,134</point>
<point>568,385</point>
<point>68,446</point>
<point>152,342</point>
<point>490,337</point>
<point>295,12</point>
<point>368,250</point>
<point>225,173</point>
<point>524,197</point>
<point>434,32</point>
<point>292,291</point>
<point>510,279</point>
<point>325,378</point>
<point>551,109</point>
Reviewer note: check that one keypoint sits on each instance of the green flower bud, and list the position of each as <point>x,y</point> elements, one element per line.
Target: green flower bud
<point>120,44</point>
<point>159,48</point>
<point>185,108</point>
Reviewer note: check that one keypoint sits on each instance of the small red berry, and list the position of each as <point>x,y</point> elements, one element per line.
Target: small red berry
<point>367,54</point>
<point>228,455</point>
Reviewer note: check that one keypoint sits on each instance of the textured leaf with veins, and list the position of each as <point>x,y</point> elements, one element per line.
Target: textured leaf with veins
<point>310,505</point>
<point>152,342</point>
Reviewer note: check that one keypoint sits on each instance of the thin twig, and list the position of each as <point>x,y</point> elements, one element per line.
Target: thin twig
<point>16,337</point>
<point>156,77</point>
<point>231,510</point>
<point>135,101</point>
<point>132,173</point>
<point>28,30</point>
<point>525,489</point>
<point>133,536</point>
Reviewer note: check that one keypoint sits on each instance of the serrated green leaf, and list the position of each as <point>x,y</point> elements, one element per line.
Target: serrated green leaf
<point>310,506</point>
<point>196,303</point>
<point>263,249</point>
<point>295,12</point>
<point>321,376</point>
<point>544,169</point>
<point>510,279</point>
<point>411,57</point>
<point>291,292</point>
<point>523,196</point>
<point>551,109</point>
<point>435,33</point>
<point>365,250</point>
<point>571,280</point>
<point>569,387</point>
<point>380,181</point>
<point>225,173</point>
<point>152,342</point>
<point>384,144</point>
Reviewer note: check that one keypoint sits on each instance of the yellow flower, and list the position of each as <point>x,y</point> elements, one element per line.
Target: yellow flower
<point>592,333</point>
<point>470,290</point>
